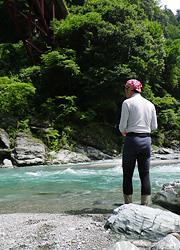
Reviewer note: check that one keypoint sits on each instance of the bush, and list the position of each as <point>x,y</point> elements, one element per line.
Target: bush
<point>15,96</point>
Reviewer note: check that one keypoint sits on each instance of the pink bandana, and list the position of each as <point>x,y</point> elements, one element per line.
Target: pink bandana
<point>134,84</point>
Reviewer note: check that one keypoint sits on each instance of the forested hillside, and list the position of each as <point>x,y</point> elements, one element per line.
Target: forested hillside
<point>78,88</point>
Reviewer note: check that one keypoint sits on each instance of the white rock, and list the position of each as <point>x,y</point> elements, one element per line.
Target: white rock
<point>7,163</point>
<point>65,156</point>
<point>167,243</point>
<point>137,221</point>
<point>123,245</point>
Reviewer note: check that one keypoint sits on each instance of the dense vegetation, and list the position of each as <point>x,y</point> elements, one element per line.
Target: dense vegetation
<point>78,88</point>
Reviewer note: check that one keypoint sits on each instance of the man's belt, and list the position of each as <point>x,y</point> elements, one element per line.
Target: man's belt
<point>138,134</point>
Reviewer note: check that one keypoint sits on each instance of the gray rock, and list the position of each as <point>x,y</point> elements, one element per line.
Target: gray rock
<point>169,197</point>
<point>65,156</point>
<point>4,139</point>
<point>168,243</point>
<point>163,151</point>
<point>137,221</point>
<point>28,151</point>
<point>96,154</point>
<point>92,153</point>
<point>123,245</point>
<point>142,243</point>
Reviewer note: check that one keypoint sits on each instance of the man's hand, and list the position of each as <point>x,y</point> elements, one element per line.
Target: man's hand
<point>124,133</point>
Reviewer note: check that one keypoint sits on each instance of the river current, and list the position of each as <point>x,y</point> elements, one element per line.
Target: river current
<point>74,188</point>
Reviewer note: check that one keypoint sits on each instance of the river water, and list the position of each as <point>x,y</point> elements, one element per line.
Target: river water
<point>73,188</point>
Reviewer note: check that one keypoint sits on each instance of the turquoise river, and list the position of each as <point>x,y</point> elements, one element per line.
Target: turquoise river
<point>73,188</point>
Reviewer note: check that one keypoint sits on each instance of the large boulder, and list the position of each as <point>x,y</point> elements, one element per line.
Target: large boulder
<point>169,197</point>
<point>28,151</point>
<point>137,221</point>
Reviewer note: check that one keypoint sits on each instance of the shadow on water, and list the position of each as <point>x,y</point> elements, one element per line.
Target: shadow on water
<point>93,210</point>
<point>90,211</point>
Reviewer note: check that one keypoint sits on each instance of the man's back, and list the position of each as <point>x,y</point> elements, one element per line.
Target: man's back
<point>138,115</point>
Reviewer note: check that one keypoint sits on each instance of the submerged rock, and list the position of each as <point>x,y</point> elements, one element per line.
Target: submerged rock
<point>137,221</point>
<point>169,197</point>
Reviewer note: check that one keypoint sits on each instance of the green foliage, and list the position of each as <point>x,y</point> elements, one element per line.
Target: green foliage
<point>155,30</point>
<point>52,137</point>
<point>60,113</point>
<point>64,141</point>
<point>49,109</point>
<point>23,126</point>
<point>173,31</point>
<point>172,67</point>
<point>59,71</point>
<point>168,113</point>
<point>14,96</point>
<point>55,58</point>
<point>67,107</point>
<point>54,140</point>
<point>110,48</point>
<point>12,58</point>
<point>31,74</point>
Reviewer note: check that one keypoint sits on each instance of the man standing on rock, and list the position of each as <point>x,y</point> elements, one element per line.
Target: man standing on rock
<point>138,119</point>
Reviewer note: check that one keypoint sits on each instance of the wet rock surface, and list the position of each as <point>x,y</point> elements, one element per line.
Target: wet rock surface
<point>169,197</point>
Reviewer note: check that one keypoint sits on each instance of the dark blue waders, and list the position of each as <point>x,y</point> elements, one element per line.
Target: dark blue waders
<point>137,147</point>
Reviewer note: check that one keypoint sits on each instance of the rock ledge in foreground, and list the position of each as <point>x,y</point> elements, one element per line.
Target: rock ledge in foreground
<point>136,221</point>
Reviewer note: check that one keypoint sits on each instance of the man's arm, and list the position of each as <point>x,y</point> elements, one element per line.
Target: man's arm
<point>124,119</point>
<point>154,124</point>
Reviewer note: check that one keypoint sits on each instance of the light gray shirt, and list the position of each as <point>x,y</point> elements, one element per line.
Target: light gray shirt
<point>138,115</point>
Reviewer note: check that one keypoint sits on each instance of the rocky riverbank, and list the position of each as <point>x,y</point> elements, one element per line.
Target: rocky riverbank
<point>73,232</point>
<point>26,151</point>
<point>54,231</point>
